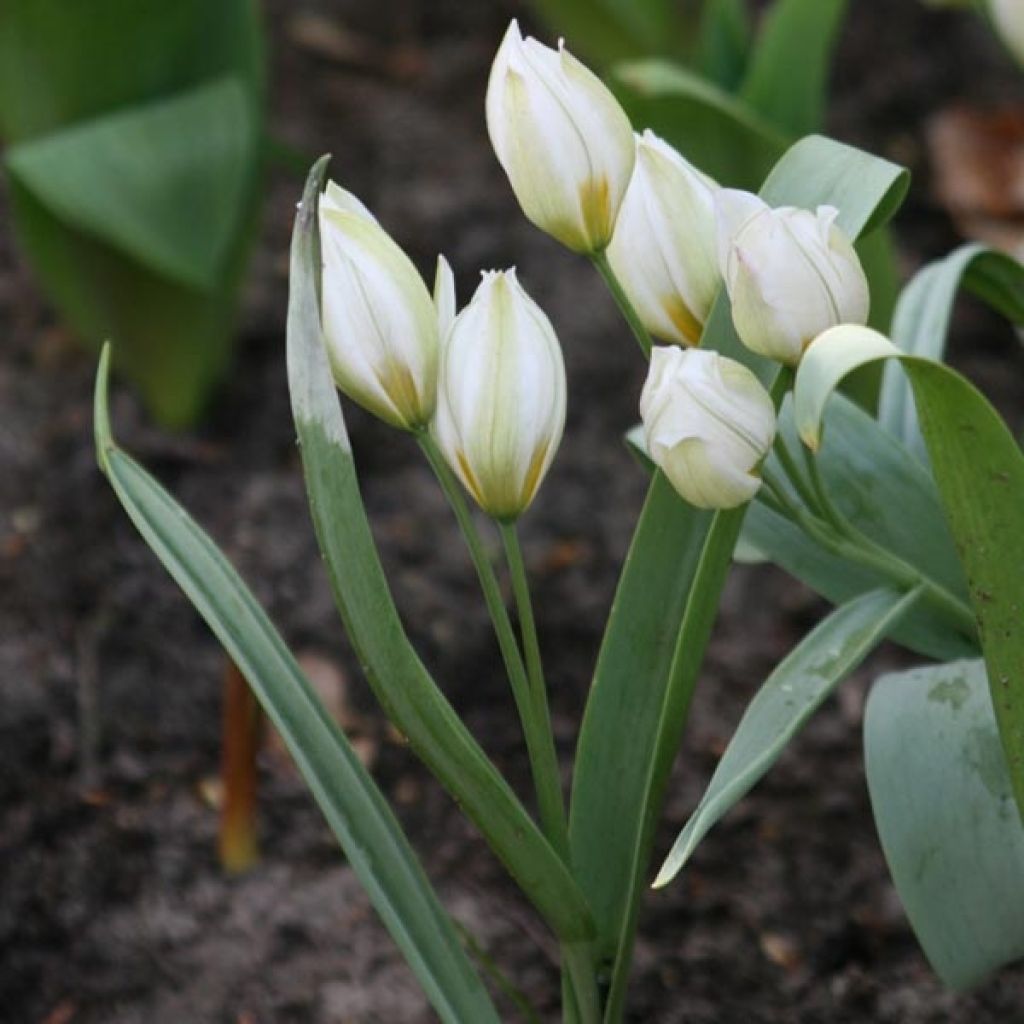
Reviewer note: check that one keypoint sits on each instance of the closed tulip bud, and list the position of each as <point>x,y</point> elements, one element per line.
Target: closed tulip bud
<point>501,396</point>
<point>790,273</point>
<point>562,138</point>
<point>664,248</point>
<point>708,424</point>
<point>1008,16</point>
<point>379,322</point>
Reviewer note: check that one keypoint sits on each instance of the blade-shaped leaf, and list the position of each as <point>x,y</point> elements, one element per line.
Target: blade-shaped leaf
<point>921,322</point>
<point>788,74</point>
<point>399,679</point>
<point>790,695</point>
<point>353,806</point>
<point>979,470</point>
<point>166,183</point>
<point>664,610</point>
<point>723,42</point>
<point>943,806</point>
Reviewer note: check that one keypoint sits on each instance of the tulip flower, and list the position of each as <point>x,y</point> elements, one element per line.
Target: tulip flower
<point>708,423</point>
<point>379,321</point>
<point>562,138</point>
<point>663,251</point>
<point>501,396</point>
<point>790,273</point>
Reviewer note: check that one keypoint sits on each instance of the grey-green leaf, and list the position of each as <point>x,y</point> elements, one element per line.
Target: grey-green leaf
<point>401,682</point>
<point>353,806</point>
<point>788,698</point>
<point>945,814</point>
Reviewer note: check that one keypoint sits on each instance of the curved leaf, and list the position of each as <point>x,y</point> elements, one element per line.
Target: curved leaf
<point>353,806</point>
<point>399,679</point>
<point>979,470</point>
<point>921,322</point>
<point>943,806</point>
<point>790,695</point>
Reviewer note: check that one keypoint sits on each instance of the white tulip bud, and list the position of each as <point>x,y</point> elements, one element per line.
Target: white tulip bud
<point>708,423</point>
<point>1008,16</point>
<point>501,396</point>
<point>562,138</point>
<point>790,273</point>
<point>664,248</point>
<point>379,322</point>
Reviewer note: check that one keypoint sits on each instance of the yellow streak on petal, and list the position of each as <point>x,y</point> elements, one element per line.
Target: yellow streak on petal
<point>533,473</point>
<point>596,207</point>
<point>470,480</point>
<point>682,318</point>
<point>398,384</point>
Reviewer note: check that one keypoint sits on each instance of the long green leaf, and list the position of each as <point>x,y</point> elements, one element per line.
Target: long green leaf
<point>353,806</point>
<point>790,695</point>
<point>723,42</point>
<point>921,322</point>
<point>979,470</point>
<point>889,496</point>
<point>664,609</point>
<point>943,806</point>
<point>402,684</point>
<point>788,74</point>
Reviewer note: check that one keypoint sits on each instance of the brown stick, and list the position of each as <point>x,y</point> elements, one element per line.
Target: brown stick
<point>238,843</point>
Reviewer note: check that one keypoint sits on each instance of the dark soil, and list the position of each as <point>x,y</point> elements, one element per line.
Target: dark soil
<point>112,904</point>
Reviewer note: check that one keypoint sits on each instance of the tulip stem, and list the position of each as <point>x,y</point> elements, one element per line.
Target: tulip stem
<point>604,268</point>
<point>536,727</point>
<point>850,544</point>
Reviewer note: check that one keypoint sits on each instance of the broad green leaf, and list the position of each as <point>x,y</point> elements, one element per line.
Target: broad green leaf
<point>604,31</point>
<point>402,684</point>
<point>358,814</point>
<point>710,127</point>
<point>979,470</point>
<point>886,493</point>
<point>790,695</point>
<point>166,184</point>
<point>62,63</point>
<point>944,809</point>
<point>787,80</point>
<point>723,42</point>
<point>921,322</point>
<point>664,610</point>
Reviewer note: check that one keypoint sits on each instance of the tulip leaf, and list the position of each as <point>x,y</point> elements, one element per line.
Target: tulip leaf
<point>710,127</point>
<point>921,322</point>
<point>664,610</point>
<point>787,80</point>
<point>943,806</point>
<point>165,184</point>
<point>355,809</point>
<point>402,684</point>
<point>790,695</point>
<point>979,470</point>
<point>723,42</point>
<point>887,495</point>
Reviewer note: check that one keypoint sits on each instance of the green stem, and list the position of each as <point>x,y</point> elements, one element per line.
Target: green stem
<point>539,747</point>
<point>578,965</point>
<point>604,268</point>
<point>852,545</point>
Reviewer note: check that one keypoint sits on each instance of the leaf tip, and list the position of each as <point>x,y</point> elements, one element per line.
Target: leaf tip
<point>101,408</point>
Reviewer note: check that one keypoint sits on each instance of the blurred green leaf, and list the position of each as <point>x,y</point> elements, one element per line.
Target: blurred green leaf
<point>787,79</point>
<point>921,323</point>
<point>979,470</point>
<point>664,609</point>
<point>723,42</point>
<point>943,806</point>
<point>402,684</point>
<point>709,126</point>
<point>605,31</point>
<point>790,695</point>
<point>353,806</point>
<point>166,183</point>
